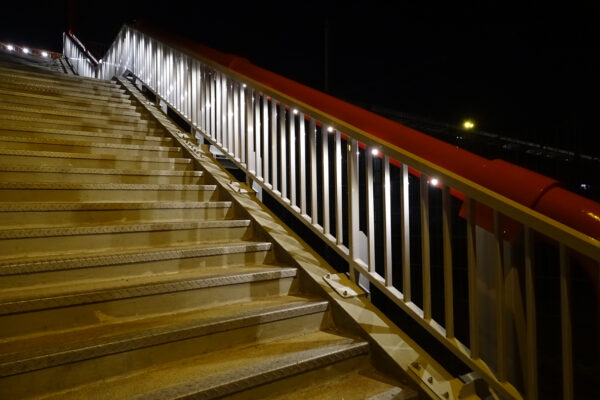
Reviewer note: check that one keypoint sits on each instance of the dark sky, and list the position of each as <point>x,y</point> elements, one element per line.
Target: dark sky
<point>524,72</point>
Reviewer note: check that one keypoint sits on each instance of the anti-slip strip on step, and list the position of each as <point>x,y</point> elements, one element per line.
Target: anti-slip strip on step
<point>138,127</point>
<point>28,79</point>
<point>70,352</point>
<point>103,206</point>
<point>72,91</point>
<point>108,157</point>
<point>133,289</point>
<point>51,105</point>
<point>62,262</point>
<point>78,101</point>
<point>120,228</point>
<point>53,131</point>
<point>97,171</point>
<point>103,186</point>
<point>79,143</point>
<point>255,374</point>
<point>12,69</point>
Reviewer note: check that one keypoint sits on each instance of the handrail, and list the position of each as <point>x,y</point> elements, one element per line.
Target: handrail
<point>81,60</point>
<point>293,146</point>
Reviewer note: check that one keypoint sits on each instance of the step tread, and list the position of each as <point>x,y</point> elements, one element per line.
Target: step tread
<point>87,291</point>
<point>121,334</point>
<point>117,205</point>
<point>104,186</point>
<point>79,100</point>
<point>83,143</point>
<point>35,131</point>
<point>364,384</point>
<point>111,157</point>
<point>98,171</point>
<point>227,371</point>
<point>118,227</point>
<point>66,260</point>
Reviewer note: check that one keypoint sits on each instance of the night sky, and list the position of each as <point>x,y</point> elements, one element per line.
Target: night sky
<point>528,73</point>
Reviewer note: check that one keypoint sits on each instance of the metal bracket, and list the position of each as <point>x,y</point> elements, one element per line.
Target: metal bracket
<point>442,388</point>
<point>239,187</point>
<point>343,286</point>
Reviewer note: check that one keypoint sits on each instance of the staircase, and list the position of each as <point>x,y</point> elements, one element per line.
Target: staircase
<point>126,271</point>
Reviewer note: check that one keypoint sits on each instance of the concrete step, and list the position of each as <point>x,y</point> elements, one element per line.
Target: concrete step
<point>75,101</point>
<point>87,147</point>
<point>45,173</point>
<point>69,134</point>
<point>90,113</point>
<point>42,309</point>
<point>80,160</point>
<point>28,214</point>
<point>361,382</point>
<point>84,87</point>
<point>32,241</point>
<point>65,92</point>
<point>30,353</point>
<point>225,372</point>
<point>127,262</point>
<point>9,119</point>
<point>36,73</point>
<point>107,110</point>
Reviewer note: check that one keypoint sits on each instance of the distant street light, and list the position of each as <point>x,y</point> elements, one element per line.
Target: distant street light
<point>468,124</point>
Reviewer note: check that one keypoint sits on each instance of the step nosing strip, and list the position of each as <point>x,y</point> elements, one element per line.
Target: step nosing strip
<point>101,157</point>
<point>120,228</point>
<point>108,206</point>
<point>73,143</point>
<point>98,171</point>
<point>19,363</point>
<point>139,256</point>
<point>103,186</point>
<point>144,289</point>
<point>258,374</point>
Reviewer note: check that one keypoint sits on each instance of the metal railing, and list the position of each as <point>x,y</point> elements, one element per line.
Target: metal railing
<point>401,222</point>
<point>80,59</point>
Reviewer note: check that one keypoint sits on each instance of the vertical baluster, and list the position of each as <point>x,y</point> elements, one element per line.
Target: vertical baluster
<point>500,306</point>
<point>227,140</point>
<point>425,247</point>
<point>312,142</point>
<point>274,167</point>
<point>293,158</point>
<point>302,162</point>
<point>339,227</point>
<point>387,223</point>
<point>370,212</point>
<point>194,94</point>
<point>283,150</point>
<point>325,169</point>
<point>258,135</point>
<point>218,112</point>
<point>250,163</point>
<point>565,318</point>
<point>265,139</point>
<point>353,218</point>
<point>531,373</point>
<point>448,278</point>
<point>243,133</point>
<point>472,272</point>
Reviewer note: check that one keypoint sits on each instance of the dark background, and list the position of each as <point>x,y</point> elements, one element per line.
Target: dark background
<point>526,72</point>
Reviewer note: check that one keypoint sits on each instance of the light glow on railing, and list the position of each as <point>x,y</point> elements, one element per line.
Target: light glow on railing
<point>25,50</point>
<point>330,129</point>
<point>44,54</point>
<point>295,112</point>
<point>434,181</point>
<point>10,47</point>
<point>375,152</point>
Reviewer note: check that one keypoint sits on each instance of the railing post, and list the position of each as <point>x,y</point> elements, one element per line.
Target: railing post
<point>353,218</point>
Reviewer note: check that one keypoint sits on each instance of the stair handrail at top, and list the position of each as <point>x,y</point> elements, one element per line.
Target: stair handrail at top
<point>215,93</point>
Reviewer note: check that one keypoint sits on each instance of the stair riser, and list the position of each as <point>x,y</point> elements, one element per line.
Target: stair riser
<point>9,78</point>
<point>69,375</point>
<point>64,218</point>
<point>137,269</point>
<point>80,316</point>
<point>92,163</point>
<point>91,114</point>
<point>29,246</point>
<point>301,381</point>
<point>36,121</point>
<point>107,195</point>
<point>86,137</point>
<point>9,176</point>
<point>88,103</point>
<point>88,149</point>
<point>67,107</point>
<point>65,92</point>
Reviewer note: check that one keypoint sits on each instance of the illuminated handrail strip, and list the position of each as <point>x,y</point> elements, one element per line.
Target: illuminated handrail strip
<point>247,120</point>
